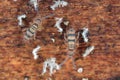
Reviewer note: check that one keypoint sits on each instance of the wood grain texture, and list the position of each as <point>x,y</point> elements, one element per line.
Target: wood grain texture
<point>102,17</point>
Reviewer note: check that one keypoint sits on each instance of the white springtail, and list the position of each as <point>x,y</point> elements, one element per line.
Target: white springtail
<point>35,4</point>
<point>20,17</point>
<point>88,51</point>
<point>84,34</point>
<point>35,51</point>
<point>59,3</point>
<point>57,24</point>
<point>80,70</point>
<point>50,63</point>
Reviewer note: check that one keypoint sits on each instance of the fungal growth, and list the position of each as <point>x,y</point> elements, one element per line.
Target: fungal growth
<point>35,51</point>
<point>35,4</point>
<point>59,3</point>
<point>58,24</point>
<point>20,17</point>
<point>51,64</point>
<point>84,34</point>
<point>88,51</point>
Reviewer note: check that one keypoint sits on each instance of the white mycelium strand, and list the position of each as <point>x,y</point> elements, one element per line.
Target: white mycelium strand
<point>20,17</point>
<point>84,34</point>
<point>35,51</point>
<point>58,24</point>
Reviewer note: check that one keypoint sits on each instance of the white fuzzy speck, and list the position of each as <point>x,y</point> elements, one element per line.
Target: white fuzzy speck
<point>57,25</point>
<point>35,4</point>
<point>49,79</point>
<point>50,63</point>
<point>15,0</point>
<point>59,3</point>
<point>88,51</point>
<point>53,40</point>
<point>20,17</point>
<point>26,79</point>
<point>66,23</point>
<point>85,79</point>
<point>84,34</point>
<point>34,52</point>
<point>80,70</point>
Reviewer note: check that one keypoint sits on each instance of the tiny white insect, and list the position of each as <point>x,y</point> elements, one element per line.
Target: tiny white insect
<point>88,51</point>
<point>35,4</point>
<point>80,70</point>
<point>50,63</point>
<point>58,4</point>
<point>57,24</point>
<point>34,52</point>
<point>84,34</point>
<point>85,79</point>
<point>20,17</point>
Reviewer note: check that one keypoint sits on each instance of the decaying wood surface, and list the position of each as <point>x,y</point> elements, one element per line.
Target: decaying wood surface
<point>102,17</point>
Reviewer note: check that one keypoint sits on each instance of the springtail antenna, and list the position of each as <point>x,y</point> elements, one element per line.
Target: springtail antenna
<point>42,18</point>
<point>50,15</point>
<point>65,60</point>
<point>73,61</point>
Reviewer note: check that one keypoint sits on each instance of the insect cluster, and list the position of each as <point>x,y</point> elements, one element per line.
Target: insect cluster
<point>71,37</point>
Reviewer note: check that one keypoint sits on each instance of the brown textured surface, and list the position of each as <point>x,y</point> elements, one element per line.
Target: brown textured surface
<point>16,59</point>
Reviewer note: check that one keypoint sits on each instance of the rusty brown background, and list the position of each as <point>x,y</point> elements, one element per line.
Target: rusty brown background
<point>102,17</point>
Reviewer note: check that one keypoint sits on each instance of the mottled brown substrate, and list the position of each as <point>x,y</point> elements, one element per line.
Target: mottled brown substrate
<point>102,17</point>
